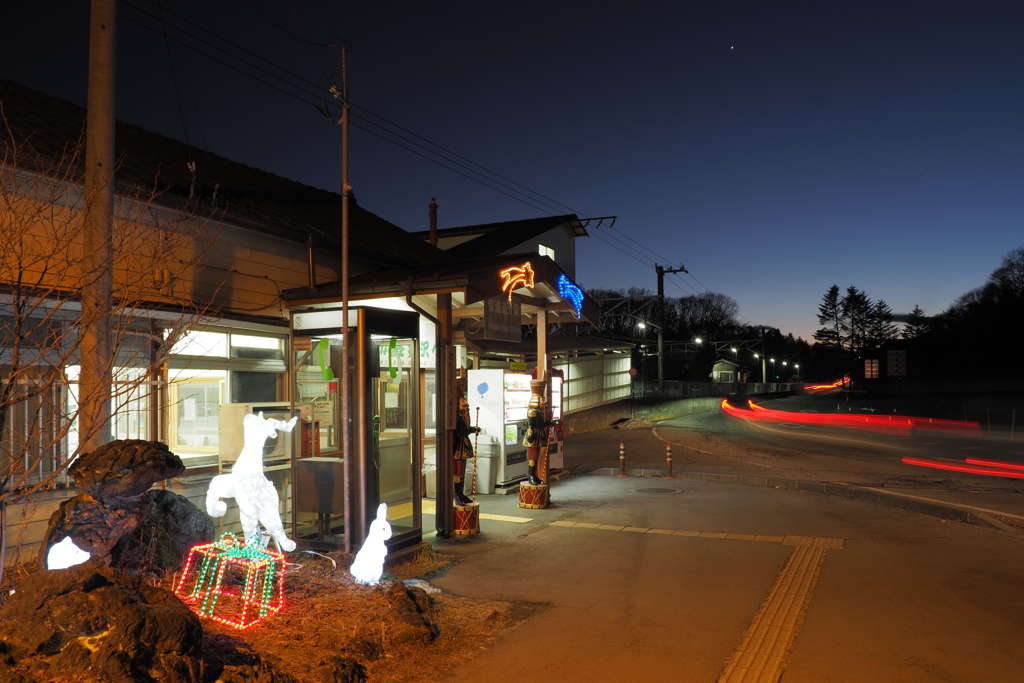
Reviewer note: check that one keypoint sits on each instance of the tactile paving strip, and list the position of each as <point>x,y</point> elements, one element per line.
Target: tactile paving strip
<point>761,657</point>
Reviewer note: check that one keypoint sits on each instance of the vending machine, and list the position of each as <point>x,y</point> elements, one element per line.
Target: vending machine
<point>503,398</point>
<point>556,441</point>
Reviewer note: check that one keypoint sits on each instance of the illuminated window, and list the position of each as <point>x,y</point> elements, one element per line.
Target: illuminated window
<point>546,251</point>
<point>871,368</point>
<point>248,346</point>
<point>194,399</point>
<point>198,343</point>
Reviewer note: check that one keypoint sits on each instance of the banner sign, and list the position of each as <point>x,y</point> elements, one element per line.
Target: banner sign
<point>503,319</point>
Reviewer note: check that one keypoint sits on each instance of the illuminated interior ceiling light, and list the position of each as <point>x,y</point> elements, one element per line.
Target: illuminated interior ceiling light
<point>515,277</point>
<point>65,554</point>
<point>234,584</point>
<point>369,563</point>
<point>568,290</point>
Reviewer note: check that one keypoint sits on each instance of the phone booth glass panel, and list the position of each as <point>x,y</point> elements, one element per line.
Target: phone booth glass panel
<point>384,423</point>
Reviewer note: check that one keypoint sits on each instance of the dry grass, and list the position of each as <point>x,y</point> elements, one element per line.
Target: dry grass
<point>327,615</point>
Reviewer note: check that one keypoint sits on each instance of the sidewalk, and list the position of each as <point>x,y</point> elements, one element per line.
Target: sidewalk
<point>694,580</point>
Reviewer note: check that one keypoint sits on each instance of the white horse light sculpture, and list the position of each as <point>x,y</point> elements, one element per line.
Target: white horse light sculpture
<point>257,499</point>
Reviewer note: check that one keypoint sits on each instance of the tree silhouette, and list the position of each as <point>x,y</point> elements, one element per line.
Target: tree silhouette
<point>917,324</point>
<point>42,272</point>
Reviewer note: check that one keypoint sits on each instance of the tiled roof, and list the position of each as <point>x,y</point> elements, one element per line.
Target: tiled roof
<point>221,188</point>
<point>497,238</point>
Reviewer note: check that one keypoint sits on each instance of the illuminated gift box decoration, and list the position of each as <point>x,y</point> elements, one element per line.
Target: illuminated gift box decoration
<point>232,583</point>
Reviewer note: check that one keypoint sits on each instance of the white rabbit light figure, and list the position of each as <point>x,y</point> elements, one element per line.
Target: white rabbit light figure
<point>369,562</point>
<point>257,499</point>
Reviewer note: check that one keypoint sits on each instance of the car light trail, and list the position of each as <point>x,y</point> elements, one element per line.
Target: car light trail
<point>964,468</point>
<point>993,463</point>
<point>888,424</point>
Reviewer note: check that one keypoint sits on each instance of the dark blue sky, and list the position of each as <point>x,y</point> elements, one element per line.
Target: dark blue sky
<point>774,148</point>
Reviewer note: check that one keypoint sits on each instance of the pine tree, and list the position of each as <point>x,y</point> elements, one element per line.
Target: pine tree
<point>882,328</point>
<point>830,316</point>
<point>856,318</point>
<point>917,324</point>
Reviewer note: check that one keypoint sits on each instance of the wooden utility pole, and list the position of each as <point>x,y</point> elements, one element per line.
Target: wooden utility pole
<point>95,352</point>
<point>661,270</point>
<point>346,376</point>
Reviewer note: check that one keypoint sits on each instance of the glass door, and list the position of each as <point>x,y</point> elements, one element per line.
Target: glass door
<point>395,412</point>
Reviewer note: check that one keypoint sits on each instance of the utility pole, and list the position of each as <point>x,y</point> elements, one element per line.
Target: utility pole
<point>95,352</point>
<point>661,270</point>
<point>346,376</point>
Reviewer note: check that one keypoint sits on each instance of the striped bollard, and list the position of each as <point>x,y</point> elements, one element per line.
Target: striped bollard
<point>668,461</point>
<point>622,460</point>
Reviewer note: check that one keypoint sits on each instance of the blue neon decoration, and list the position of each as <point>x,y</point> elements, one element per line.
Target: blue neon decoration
<point>568,290</point>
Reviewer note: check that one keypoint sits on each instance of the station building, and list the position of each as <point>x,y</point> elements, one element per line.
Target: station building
<point>228,281</point>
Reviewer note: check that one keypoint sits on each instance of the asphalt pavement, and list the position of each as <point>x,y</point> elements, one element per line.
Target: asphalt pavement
<point>706,578</point>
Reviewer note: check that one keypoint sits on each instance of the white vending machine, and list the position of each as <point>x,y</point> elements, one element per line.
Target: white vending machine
<point>503,398</point>
<point>556,441</point>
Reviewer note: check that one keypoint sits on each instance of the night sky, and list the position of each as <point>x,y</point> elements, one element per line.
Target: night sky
<point>774,148</point>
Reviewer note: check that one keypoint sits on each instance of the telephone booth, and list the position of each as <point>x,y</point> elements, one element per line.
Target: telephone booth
<point>383,363</point>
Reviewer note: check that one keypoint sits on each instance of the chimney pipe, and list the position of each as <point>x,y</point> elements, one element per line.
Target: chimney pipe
<point>433,222</point>
<point>311,246</point>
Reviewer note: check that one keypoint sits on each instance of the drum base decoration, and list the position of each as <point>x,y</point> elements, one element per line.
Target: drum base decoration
<point>467,519</point>
<point>533,496</point>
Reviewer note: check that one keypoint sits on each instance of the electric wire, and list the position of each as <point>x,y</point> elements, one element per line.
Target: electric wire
<point>179,98</point>
<point>486,182</point>
<point>449,159</point>
<point>507,183</point>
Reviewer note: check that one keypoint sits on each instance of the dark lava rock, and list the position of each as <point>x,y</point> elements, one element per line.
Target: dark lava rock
<point>229,659</point>
<point>161,541</point>
<point>94,526</point>
<point>124,469</point>
<point>254,673</point>
<point>340,669</point>
<point>415,624</point>
<point>93,624</point>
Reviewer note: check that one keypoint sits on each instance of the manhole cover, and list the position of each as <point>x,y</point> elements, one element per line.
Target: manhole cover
<point>658,491</point>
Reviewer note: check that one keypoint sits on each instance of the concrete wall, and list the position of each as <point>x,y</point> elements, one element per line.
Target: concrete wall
<point>652,409</point>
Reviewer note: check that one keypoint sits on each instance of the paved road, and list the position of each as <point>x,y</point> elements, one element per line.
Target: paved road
<point>720,444</point>
<point>684,580</point>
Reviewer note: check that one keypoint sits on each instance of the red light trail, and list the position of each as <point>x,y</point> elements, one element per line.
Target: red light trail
<point>890,424</point>
<point>1010,474</point>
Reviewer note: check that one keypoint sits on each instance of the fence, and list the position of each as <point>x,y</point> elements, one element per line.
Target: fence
<point>679,390</point>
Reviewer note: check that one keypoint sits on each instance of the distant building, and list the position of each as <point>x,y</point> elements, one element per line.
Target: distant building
<point>726,372</point>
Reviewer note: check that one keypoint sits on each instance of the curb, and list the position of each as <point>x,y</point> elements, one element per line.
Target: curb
<point>950,511</point>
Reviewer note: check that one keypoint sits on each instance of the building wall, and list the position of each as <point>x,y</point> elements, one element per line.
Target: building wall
<point>594,380</point>
<point>560,239</point>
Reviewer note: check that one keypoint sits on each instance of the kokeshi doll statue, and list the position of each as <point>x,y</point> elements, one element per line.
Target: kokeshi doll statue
<point>537,424</point>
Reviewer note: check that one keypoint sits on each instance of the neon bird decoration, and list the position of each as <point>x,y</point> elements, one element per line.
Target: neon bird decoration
<point>515,277</point>
<point>568,290</point>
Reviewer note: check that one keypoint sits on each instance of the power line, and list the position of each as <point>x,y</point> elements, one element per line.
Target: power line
<point>291,84</point>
